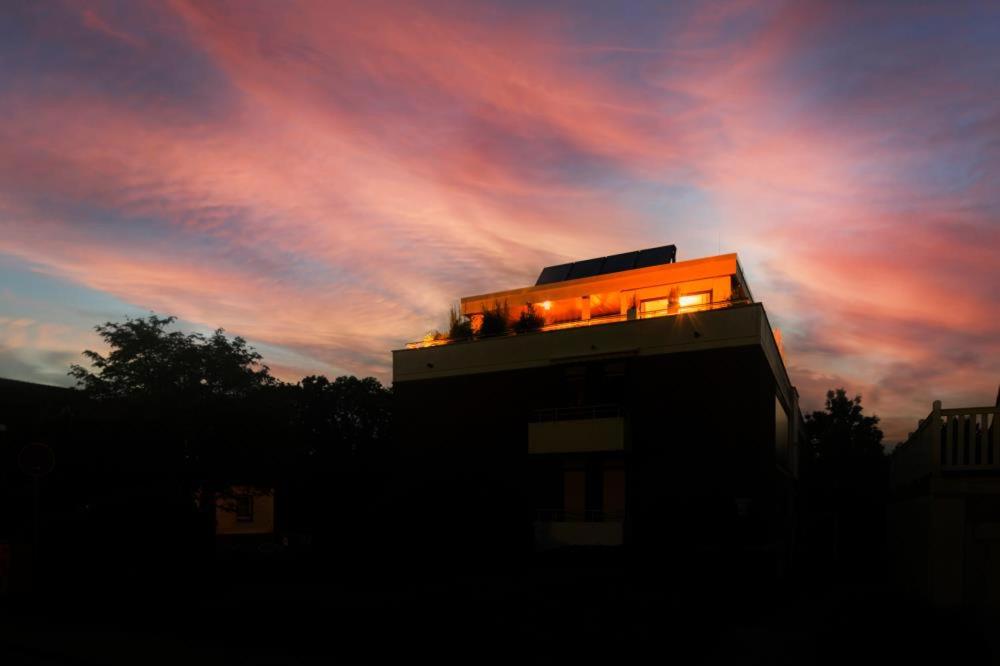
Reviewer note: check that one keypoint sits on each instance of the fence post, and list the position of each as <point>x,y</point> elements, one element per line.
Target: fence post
<point>995,446</point>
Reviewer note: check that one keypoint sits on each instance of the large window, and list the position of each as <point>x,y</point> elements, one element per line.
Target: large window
<point>604,305</point>
<point>695,300</point>
<point>658,307</point>
<point>654,307</point>
<point>587,488</point>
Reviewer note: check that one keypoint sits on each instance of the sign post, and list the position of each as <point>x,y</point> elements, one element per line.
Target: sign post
<point>35,460</point>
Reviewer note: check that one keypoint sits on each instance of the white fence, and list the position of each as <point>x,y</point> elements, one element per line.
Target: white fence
<point>965,439</point>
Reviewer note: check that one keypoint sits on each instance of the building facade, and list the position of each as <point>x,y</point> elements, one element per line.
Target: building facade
<point>648,408</point>
<point>944,509</point>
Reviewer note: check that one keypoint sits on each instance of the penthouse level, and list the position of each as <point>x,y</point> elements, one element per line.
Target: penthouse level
<point>617,295</point>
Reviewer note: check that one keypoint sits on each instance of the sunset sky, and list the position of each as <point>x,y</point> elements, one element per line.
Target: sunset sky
<point>326,178</point>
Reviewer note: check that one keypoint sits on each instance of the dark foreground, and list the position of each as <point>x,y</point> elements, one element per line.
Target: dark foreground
<point>297,612</point>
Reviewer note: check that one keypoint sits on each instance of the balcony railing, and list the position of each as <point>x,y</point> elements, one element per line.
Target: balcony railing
<point>593,321</point>
<point>587,516</point>
<point>970,439</point>
<point>964,439</point>
<point>575,413</point>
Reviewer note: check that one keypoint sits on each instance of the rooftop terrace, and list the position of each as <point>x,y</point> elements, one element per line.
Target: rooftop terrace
<point>600,291</point>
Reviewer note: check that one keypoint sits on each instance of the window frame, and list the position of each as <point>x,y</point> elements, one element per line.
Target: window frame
<point>644,312</point>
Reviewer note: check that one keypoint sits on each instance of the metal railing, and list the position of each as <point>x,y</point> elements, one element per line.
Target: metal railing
<point>587,516</point>
<point>575,413</point>
<point>593,321</point>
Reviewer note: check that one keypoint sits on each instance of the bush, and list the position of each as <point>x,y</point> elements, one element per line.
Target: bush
<point>432,336</point>
<point>496,320</point>
<point>529,320</point>
<point>459,327</point>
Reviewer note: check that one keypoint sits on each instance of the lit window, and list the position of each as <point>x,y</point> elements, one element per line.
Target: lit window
<point>655,307</point>
<point>693,300</point>
<point>244,508</point>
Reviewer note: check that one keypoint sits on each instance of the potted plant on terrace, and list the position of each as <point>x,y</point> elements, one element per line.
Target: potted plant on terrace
<point>529,320</point>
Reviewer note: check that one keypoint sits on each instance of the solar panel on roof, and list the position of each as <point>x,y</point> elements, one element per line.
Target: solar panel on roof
<point>655,256</point>
<point>619,262</point>
<point>554,274</point>
<point>586,268</point>
<point>615,263</point>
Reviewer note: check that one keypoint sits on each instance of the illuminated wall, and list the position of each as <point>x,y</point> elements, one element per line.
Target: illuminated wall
<point>644,292</point>
<point>250,512</point>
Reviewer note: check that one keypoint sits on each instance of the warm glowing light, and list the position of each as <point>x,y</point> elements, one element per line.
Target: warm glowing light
<point>689,300</point>
<point>672,289</point>
<point>655,307</point>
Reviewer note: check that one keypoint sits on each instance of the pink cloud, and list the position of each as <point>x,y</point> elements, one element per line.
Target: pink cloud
<point>92,20</point>
<point>376,161</point>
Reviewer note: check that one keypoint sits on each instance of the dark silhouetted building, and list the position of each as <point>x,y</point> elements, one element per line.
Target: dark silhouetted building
<point>648,407</point>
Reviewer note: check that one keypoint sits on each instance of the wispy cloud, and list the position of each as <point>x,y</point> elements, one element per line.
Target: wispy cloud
<point>325,178</point>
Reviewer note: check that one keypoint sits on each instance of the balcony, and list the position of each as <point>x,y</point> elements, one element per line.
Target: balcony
<point>587,516</point>
<point>739,324</point>
<point>576,430</point>
<point>576,412</point>
<point>549,535</point>
<point>956,441</point>
<point>555,528</point>
<point>670,311</point>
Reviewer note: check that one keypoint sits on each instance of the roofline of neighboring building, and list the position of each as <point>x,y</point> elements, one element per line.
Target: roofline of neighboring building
<point>7,382</point>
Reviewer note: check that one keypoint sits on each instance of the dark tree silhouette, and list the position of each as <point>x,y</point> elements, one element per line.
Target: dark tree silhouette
<point>338,426</point>
<point>204,403</point>
<point>189,416</point>
<point>841,434</point>
<point>844,474</point>
<point>347,416</point>
<point>182,417</point>
<point>148,361</point>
